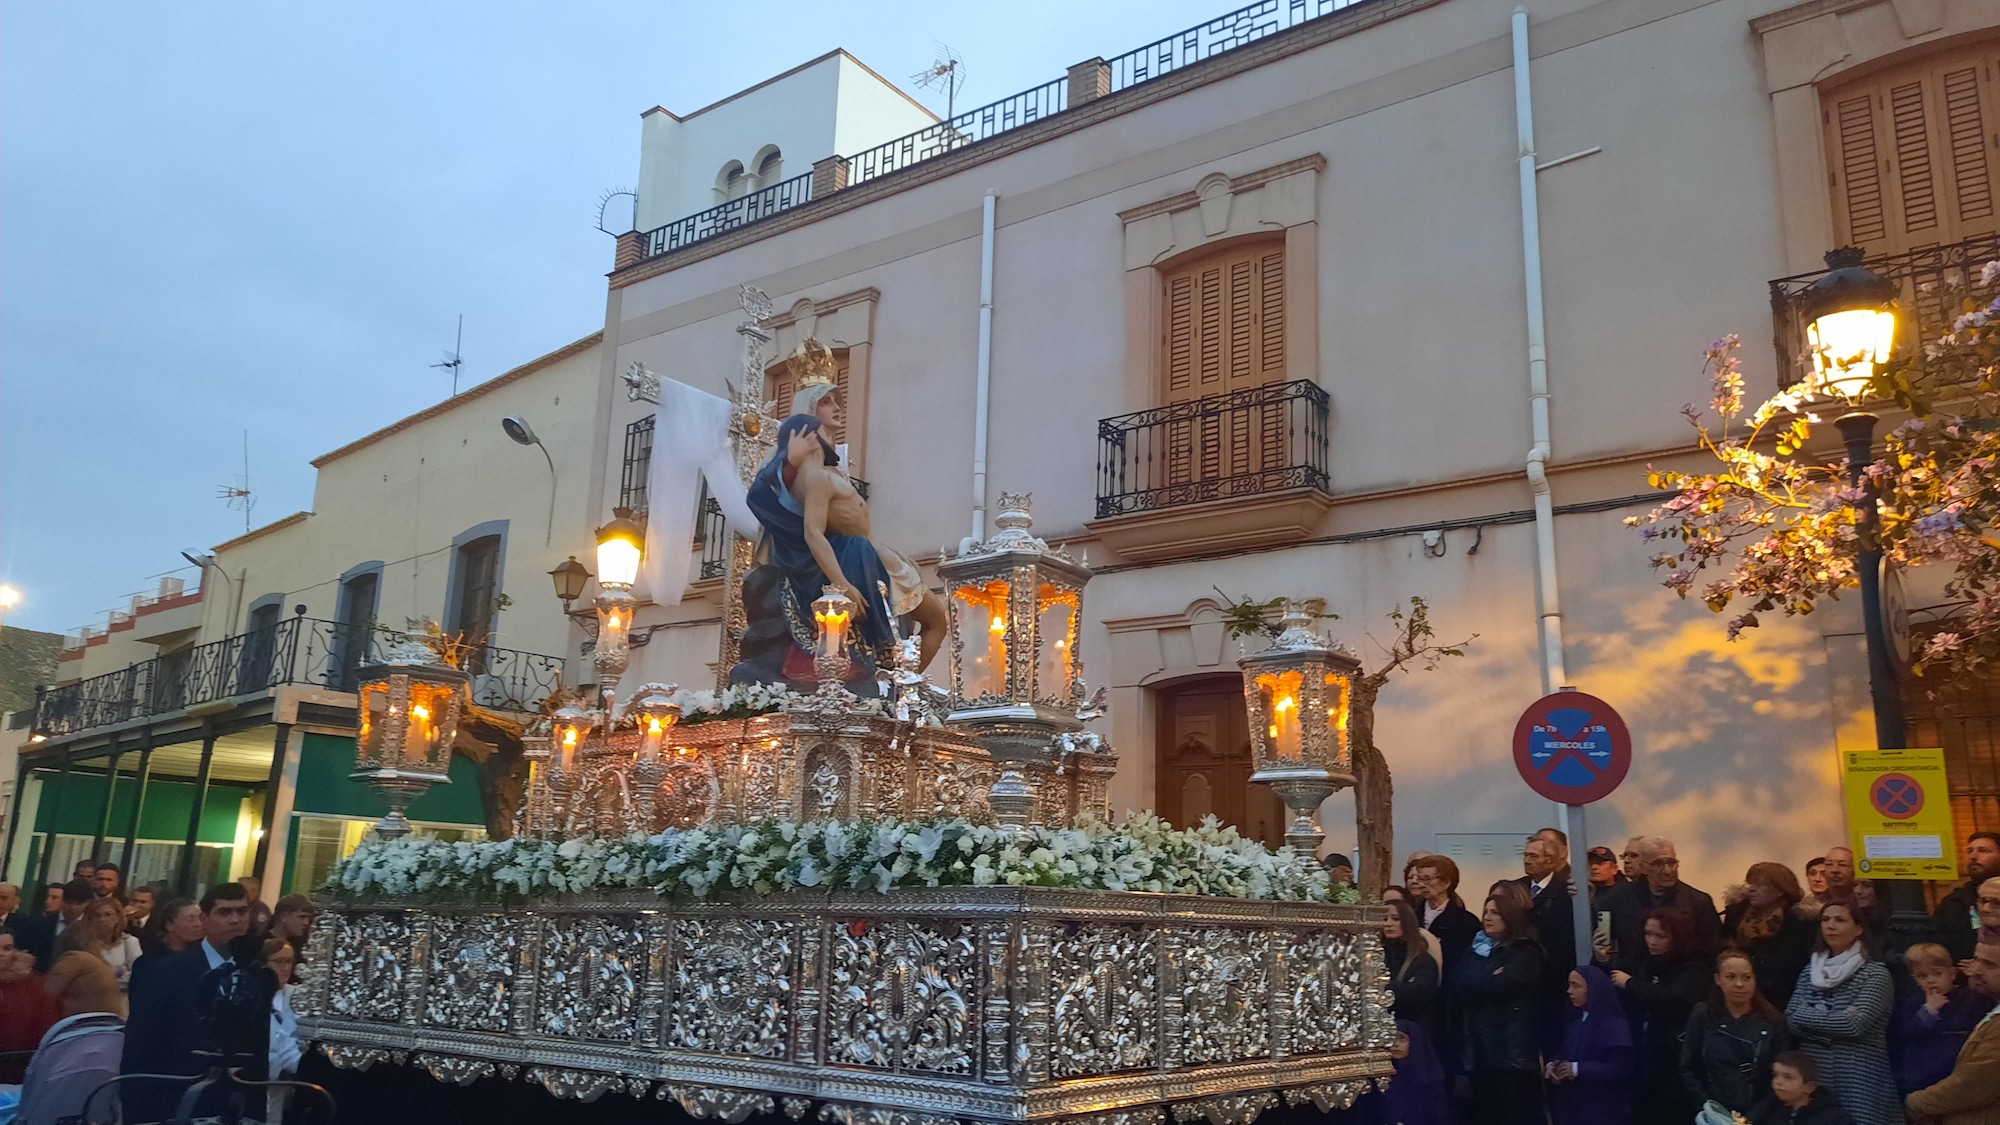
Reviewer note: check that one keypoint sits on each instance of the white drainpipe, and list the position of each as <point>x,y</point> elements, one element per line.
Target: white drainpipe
<point>1553,672</point>
<point>985,390</point>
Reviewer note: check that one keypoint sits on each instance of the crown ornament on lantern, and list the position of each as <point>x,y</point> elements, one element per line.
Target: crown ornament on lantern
<point>813,364</point>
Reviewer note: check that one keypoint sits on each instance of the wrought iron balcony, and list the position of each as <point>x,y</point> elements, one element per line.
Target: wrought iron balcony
<point>1936,282</point>
<point>1260,440</point>
<point>1157,59</point>
<point>297,650</point>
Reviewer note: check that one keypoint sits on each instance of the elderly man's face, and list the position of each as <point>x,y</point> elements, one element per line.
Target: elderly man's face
<point>10,899</point>
<point>1663,871</point>
<point>1839,869</point>
<point>1538,858</point>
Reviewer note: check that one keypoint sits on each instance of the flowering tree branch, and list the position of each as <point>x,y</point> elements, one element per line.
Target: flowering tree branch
<point>1781,531</point>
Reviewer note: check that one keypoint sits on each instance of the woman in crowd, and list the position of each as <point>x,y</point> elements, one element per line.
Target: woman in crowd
<point>1840,1013</point>
<point>1731,1039</point>
<point>285,1052</point>
<point>1496,992</point>
<point>1433,880</point>
<point>1591,1074</point>
<point>26,1008</point>
<point>1932,1025</point>
<point>1414,970</point>
<point>173,927</point>
<point>101,933</point>
<point>1768,924</point>
<point>81,1051</point>
<point>1671,980</point>
<point>1872,912</point>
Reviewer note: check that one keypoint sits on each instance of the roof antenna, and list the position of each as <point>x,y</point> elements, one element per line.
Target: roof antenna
<point>948,74</point>
<point>454,358</point>
<point>238,496</point>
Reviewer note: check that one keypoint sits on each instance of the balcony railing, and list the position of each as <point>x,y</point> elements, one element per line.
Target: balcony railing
<point>1936,284</point>
<point>1205,40</point>
<point>781,196</point>
<point>297,650</point>
<point>1260,440</point>
<point>638,463</point>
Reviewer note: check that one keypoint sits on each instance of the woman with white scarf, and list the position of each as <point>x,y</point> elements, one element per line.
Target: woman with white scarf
<point>1840,1013</point>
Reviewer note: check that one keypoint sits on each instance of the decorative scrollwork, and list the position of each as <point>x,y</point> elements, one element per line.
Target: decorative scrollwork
<point>470,984</point>
<point>843,1114</point>
<point>1105,1000</point>
<point>795,1108</point>
<point>731,1106</point>
<point>732,986</point>
<point>348,1056</point>
<point>1329,1096</point>
<point>1142,1115</point>
<point>1327,992</point>
<point>591,970</point>
<point>452,1070</point>
<point>370,957</point>
<point>1229,1109</point>
<point>1225,978</point>
<point>902,996</point>
<point>580,1085</point>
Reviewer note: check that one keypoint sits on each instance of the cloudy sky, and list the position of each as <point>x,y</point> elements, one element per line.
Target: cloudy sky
<point>227,217</point>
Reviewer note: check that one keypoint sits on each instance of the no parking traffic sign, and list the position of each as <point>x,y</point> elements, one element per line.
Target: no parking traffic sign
<point>1899,813</point>
<point>1572,748</point>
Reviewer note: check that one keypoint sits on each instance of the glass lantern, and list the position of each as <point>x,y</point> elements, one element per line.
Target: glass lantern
<point>1014,610</point>
<point>1850,325</point>
<point>1298,693</point>
<point>410,708</point>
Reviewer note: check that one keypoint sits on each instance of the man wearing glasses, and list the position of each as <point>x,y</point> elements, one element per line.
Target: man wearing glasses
<point>1658,886</point>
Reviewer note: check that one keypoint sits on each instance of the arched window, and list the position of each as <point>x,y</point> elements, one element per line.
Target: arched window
<point>770,165</point>
<point>731,182</point>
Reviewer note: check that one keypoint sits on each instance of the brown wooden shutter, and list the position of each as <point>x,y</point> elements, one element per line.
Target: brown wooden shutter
<point>1913,153</point>
<point>1224,331</point>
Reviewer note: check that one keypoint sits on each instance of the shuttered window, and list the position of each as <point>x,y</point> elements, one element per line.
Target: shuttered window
<point>1225,322</point>
<point>1913,154</point>
<point>780,384</point>
<point>1224,317</point>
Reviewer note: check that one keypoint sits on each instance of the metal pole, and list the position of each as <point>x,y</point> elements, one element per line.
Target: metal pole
<point>21,774</point>
<point>184,878</point>
<point>280,748</point>
<point>55,822</point>
<point>144,776</point>
<point>1908,919</point>
<point>110,794</point>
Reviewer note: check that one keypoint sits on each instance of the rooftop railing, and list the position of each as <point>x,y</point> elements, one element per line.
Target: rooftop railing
<point>297,650</point>
<point>1161,57</point>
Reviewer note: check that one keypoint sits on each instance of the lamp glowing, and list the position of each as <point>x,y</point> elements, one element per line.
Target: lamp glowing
<point>620,545</point>
<point>1851,325</point>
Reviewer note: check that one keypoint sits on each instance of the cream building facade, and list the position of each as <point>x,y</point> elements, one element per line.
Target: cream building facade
<point>1259,325</point>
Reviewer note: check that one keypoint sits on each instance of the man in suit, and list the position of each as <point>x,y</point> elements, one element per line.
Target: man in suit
<point>1545,861</point>
<point>160,1034</point>
<point>11,917</point>
<point>1658,886</point>
<point>1971,1092</point>
<point>38,935</point>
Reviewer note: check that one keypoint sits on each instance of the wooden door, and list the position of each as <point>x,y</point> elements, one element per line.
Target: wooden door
<point>1224,318</point>
<point>1203,763</point>
<point>1913,153</point>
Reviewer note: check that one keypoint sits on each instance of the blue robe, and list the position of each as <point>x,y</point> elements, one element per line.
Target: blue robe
<point>783,518</point>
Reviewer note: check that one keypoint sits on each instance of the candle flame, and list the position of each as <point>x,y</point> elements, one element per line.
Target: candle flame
<point>998,625</point>
<point>653,725</point>
<point>569,738</point>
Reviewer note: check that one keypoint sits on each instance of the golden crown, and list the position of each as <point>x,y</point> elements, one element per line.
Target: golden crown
<point>812,364</point>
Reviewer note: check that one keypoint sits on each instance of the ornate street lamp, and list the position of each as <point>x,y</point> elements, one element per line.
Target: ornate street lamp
<point>571,577</point>
<point>620,546</point>
<point>1851,325</point>
<point>1015,606</point>
<point>410,706</point>
<point>1298,692</point>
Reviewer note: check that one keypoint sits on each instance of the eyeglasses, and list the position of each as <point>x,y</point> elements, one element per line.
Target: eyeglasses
<point>1665,863</point>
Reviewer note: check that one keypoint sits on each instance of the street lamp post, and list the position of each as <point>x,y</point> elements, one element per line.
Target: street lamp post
<point>1850,330</point>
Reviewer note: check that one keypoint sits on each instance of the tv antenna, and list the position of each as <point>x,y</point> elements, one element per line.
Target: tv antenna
<point>604,203</point>
<point>455,358</point>
<point>947,74</point>
<point>238,496</point>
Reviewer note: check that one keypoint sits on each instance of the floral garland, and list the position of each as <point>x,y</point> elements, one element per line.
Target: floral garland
<point>1143,854</point>
<point>739,701</point>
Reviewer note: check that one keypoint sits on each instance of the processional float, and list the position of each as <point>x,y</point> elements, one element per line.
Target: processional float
<point>912,1006</point>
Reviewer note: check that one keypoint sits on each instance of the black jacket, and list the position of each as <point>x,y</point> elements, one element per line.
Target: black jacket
<point>1658,1000</point>
<point>37,935</point>
<point>1415,985</point>
<point>1455,928</point>
<point>1822,1109</point>
<point>1728,1060</point>
<point>1497,1003</point>
<point>1629,905</point>
<point>1555,920</point>
<point>1777,959</point>
<point>1955,920</point>
<point>160,1033</point>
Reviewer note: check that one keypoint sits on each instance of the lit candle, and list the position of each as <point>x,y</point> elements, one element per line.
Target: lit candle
<point>1285,726</point>
<point>420,728</point>
<point>568,748</point>
<point>655,731</point>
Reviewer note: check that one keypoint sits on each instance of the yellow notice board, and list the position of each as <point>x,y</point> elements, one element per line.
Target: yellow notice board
<point>1899,814</point>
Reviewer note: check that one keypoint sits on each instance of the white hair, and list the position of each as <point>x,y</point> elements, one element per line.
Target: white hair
<point>1650,847</point>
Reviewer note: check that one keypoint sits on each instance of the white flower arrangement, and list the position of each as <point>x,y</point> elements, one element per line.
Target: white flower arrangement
<point>1143,854</point>
<point>738,701</point>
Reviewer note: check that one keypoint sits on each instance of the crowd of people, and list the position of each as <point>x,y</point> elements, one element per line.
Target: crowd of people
<point>107,980</point>
<point>1787,1003</point>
